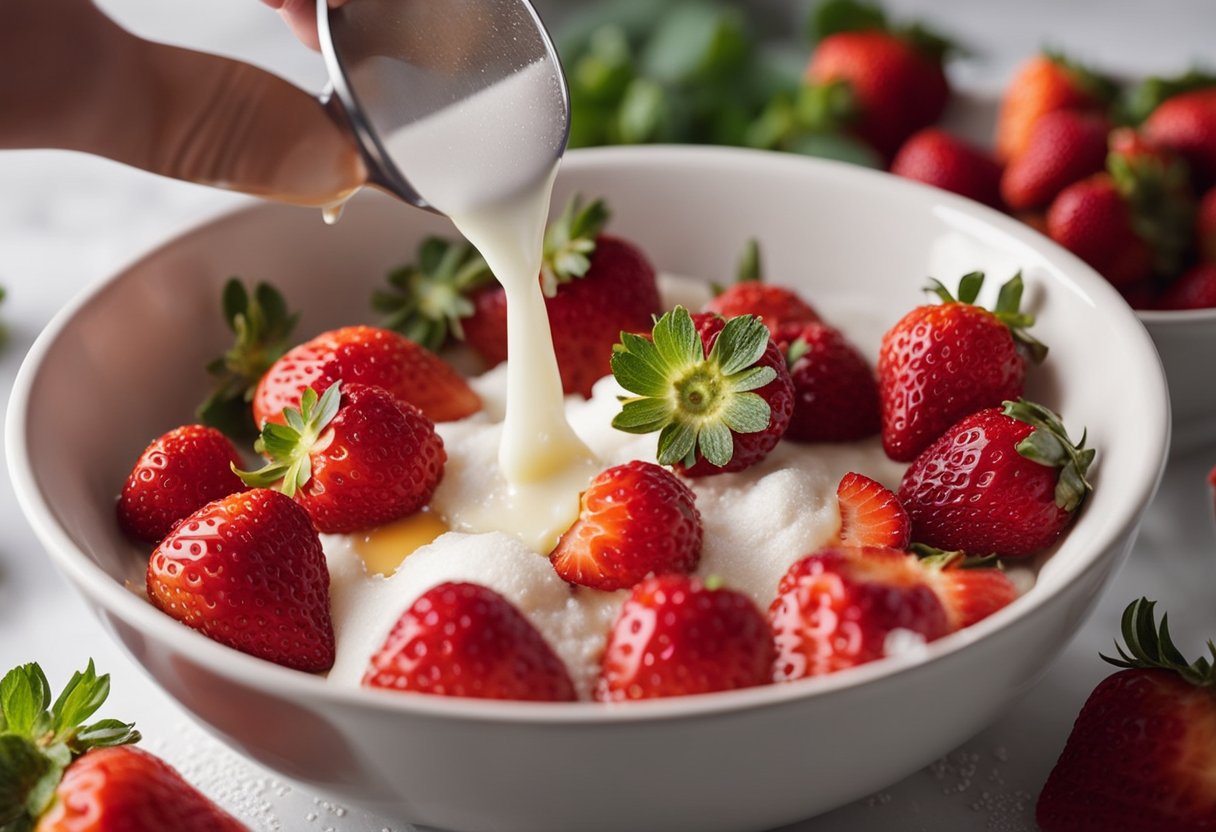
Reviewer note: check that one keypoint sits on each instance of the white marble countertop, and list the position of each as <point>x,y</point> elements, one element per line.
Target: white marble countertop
<point>67,220</point>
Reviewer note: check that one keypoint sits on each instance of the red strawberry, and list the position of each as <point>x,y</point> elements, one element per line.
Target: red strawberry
<point>1205,227</point>
<point>176,475</point>
<point>248,571</point>
<point>1064,146</point>
<point>596,286</point>
<point>461,639</point>
<point>969,590</point>
<point>1005,480</point>
<point>635,520</point>
<point>124,788</point>
<point>1092,219</point>
<point>1140,756</point>
<point>937,158</point>
<point>1196,289</point>
<point>836,608</point>
<point>1044,84</point>
<point>940,363</point>
<point>355,459</point>
<point>775,306</point>
<point>895,81</point>
<point>1186,124</point>
<point>365,355</point>
<point>835,391</point>
<point>678,635</point>
<point>717,390</point>
<point>870,515</point>
<point>60,775</point>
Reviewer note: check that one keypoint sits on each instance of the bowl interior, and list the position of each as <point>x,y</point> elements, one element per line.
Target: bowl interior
<point>125,362</point>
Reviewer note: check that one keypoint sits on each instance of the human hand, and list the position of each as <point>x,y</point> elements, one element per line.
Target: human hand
<point>301,16</point>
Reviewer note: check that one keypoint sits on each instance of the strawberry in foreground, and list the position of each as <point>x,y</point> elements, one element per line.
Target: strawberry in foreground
<point>59,775</point>
<point>775,306</point>
<point>176,475</point>
<point>717,391</point>
<point>941,363</point>
<point>462,639</point>
<point>679,635</point>
<point>937,158</point>
<point>891,76</point>
<point>262,326</point>
<point>248,571</point>
<point>595,285</point>
<point>1004,481</point>
<point>1141,754</point>
<point>354,459</point>
<point>635,520</point>
<point>366,355</point>
<point>835,391</point>
<point>836,608</point>
<point>1046,83</point>
<point>870,515</point>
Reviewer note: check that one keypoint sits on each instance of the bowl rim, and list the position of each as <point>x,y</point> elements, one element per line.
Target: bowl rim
<point>104,591</point>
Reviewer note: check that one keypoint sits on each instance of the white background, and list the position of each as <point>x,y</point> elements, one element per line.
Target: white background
<point>67,220</point>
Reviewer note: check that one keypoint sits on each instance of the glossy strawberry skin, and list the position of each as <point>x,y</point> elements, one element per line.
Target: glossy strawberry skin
<point>972,491</point>
<point>834,609</point>
<point>1042,85</point>
<point>635,520</point>
<point>587,315</point>
<point>775,306</point>
<point>384,462</point>
<point>175,476</point>
<point>674,636</point>
<point>937,158</point>
<point>870,515</point>
<point>1063,147</point>
<point>124,789</point>
<point>898,89</point>
<point>248,571</point>
<point>835,391</point>
<point>938,364</point>
<point>1186,124</point>
<point>1091,219</point>
<point>462,639</point>
<point>365,355</point>
<point>1195,289</point>
<point>750,448</point>
<point>1137,760</point>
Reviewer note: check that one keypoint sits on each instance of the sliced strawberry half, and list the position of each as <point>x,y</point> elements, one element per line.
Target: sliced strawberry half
<point>870,514</point>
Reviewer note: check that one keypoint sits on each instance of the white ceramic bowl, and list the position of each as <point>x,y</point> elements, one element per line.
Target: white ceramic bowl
<point>1186,342</point>
<point>125,362</point>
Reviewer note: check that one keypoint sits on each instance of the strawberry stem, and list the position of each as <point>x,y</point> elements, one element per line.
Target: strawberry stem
<point>290,446</point>
<point>751,268</point>
<point>1048,444</point>
<point>694,400</point>
<point>1150,646</point>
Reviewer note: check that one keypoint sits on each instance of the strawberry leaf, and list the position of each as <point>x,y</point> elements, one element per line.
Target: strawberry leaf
<point>1048,444</point>
<point>426,300</point>
<point>263,326</point>
<point>1007,309</point>
<point>696,401</point>
<point>24,694</point>
<point>750,269</point>
<point>570,242</point>
<point>290,447</point>
<point>836,16</point>
<point>1150,646</point>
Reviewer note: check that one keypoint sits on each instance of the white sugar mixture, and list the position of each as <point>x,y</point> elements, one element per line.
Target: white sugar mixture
<point>757,523</point>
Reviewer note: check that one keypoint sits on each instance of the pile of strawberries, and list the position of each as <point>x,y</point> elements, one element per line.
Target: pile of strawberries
<point>347,432</point>
<point>1123,178</point>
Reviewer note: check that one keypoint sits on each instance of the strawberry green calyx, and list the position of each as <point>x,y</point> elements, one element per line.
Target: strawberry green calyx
<point>262,326</point>
<point>695,401</point>
<point>1007,310</point>
<point>935,558</point>
<point>1151,647</point>
<point>1049,445</point>
<point>1139,101</point>
<point>39,740</point>
<point>749,270</point>
<point>570,242</point>
<point>291,445</point>
<point>1157,188</point>
<point>426,300</point>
